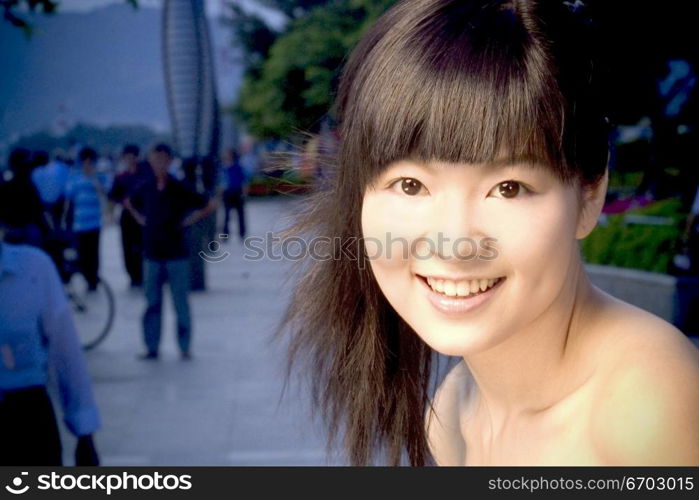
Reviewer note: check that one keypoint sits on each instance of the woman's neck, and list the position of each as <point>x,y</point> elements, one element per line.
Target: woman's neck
<point>539,366</point>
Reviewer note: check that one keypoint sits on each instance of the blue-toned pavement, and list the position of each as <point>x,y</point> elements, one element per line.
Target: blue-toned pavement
<point>226,405</point>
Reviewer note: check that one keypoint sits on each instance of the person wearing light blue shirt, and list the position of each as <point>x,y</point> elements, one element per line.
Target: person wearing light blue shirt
<point>50,181</point>
<point>85,190</point>
<point>38,339</point>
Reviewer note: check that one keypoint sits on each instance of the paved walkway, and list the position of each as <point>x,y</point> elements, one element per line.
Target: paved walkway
<point>225,407</point>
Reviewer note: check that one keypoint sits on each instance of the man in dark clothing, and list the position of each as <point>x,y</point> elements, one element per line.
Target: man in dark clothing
<point>165,207</point>
<point>233,195</point>
<point>131,232</point>
<point>20,201</point>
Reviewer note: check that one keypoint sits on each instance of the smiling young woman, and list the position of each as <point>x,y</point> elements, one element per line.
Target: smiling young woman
<point>480,121</point>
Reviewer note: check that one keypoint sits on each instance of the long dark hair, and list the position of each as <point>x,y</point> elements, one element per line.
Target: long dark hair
<point>455,81</point>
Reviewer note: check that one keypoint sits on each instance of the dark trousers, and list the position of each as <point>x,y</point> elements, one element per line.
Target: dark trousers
<point>233,199</point>
<point>28,429</point>
<point>55,212</point>
<point>89,256</point>
<point>132,245</point>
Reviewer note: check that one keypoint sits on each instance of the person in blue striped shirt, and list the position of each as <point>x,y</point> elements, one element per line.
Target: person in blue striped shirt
<point>84,192</point>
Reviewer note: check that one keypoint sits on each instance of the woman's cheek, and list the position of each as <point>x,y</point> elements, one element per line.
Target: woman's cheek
<point>390,226</point>
<point>540,240</point>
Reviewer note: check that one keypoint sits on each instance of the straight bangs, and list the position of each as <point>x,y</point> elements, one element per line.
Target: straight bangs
<point>445,89</point>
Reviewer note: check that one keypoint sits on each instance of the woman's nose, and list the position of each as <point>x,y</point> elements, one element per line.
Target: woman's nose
<point>457,229</point>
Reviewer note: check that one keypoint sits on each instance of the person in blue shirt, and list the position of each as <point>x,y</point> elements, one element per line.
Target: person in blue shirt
<point>84,191</point>
<point>50,180</point>
<point>234,192</point>
<point>38,340</point>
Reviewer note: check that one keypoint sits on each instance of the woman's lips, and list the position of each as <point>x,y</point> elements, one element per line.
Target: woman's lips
<point>457,305</point>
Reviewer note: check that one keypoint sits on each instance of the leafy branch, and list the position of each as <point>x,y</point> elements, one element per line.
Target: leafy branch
<point>13,11</point>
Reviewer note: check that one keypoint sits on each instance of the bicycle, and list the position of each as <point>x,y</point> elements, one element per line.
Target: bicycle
<point>93,310</point>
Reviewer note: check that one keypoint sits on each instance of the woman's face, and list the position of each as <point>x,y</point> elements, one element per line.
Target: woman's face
<point>469,255</point>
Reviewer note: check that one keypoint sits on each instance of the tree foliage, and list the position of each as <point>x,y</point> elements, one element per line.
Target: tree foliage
<point>293,9</point>
<point>289,84</point>
<point>252,34</point>
<point>14,11</point>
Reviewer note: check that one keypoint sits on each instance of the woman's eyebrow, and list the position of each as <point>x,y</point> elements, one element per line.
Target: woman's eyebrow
<point>493,166</point>
<point>406,164</point>
<point>518,165</point>
<point>417,163</point>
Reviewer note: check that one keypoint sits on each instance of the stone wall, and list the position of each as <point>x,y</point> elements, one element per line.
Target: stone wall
<point>675,299</point>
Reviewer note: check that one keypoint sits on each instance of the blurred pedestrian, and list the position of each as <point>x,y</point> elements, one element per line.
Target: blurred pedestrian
<point>131,231</point>
<point>166,207</point>
<point>249,160</point>
<point>685,266</point>
<point>38,338</point>
<point>20,201</point>
<point>50,180</point>
<point>690,238</point>
<point>235,181</point>
<point>85,191</point>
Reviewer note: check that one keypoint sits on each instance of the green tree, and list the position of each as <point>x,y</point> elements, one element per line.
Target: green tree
<point>293,9</point>
<point>252,34</point>
<point>292,88</point>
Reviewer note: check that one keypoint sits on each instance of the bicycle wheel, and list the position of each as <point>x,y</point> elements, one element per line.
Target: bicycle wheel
<point>93,310</point>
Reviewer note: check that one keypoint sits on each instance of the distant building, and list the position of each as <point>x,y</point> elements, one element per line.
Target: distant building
<point>189,79</point>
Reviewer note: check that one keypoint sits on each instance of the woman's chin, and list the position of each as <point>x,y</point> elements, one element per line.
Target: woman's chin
<point>462,342</point>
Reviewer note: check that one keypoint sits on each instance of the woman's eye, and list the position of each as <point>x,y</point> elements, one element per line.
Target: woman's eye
<point>410,186</point>
<point>509,189</point>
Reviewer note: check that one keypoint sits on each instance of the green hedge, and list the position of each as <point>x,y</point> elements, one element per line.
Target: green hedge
<point>636,246</point>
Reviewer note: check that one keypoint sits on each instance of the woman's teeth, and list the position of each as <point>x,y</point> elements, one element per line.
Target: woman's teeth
<point>461,288</point>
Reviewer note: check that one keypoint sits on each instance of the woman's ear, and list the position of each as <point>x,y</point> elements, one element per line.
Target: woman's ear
<point>593,197</point>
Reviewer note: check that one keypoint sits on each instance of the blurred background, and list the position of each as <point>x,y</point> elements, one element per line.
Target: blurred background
<point>234,84</point>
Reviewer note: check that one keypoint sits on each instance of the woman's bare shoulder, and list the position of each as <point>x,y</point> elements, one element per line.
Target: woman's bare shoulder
<point>647,403</point>
<point>443,420</point>
<point>627,335</point>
